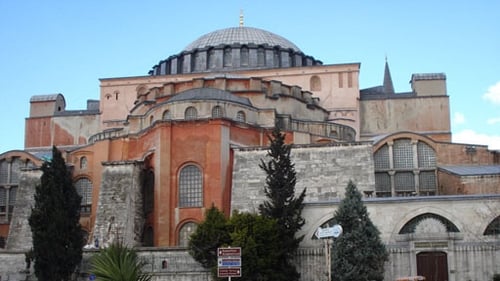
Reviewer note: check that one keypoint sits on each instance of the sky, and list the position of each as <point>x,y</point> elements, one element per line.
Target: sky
<point>65,47</point>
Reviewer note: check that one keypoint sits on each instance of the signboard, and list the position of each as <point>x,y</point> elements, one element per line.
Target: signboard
<point>235,261</point>
<point>327,232</point>
<point>229,252</point>
<point>228,272</point>
<point>229,262</point>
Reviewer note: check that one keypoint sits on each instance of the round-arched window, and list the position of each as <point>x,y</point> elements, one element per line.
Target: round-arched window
<point>190,113</point>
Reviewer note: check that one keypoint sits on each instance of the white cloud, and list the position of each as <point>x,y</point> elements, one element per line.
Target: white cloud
<point>472,137</point>
<point>493,121</point>
<point>458,118</point>
<point>493,93</point>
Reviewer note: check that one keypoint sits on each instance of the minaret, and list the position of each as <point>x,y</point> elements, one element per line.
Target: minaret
<point>388,86</point>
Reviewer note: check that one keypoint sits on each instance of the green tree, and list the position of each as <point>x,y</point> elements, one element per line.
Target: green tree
<point>282,204</point>
<point>258,238</point>
<point>55,222</point>
<point>358,254</point>
<point>208,236</point>
<point>118,263</point>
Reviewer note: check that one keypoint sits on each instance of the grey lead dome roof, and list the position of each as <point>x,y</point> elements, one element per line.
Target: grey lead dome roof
<point>241,35</point>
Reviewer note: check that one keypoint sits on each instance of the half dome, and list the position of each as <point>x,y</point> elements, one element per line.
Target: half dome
<point>243,36</point>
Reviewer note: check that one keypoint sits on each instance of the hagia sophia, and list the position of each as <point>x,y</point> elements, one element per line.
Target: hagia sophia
<point>156,151</point>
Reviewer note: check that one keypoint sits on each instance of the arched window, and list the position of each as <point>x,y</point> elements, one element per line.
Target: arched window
<point>190,113</point>
<point>261,57</point>
<point>151,119</point>
<point>228,56</point>
<point>185,232</point>
<point>83,163</point>
<point>190,187</point>
<point>244,56</point>
<point>211,58</point>
<point>195,57</point>
<point>405,167</point>
<point>240,116</point>
<point>84,188</point>
<point>217,112</point>
<point>166,115</point>
<point>10,170</point>
<point>493,228</point>
<point>428,222</point>
<point>148,237</point>
<point>315,83</point>
<point>148,191</point>
<point>276,57</point>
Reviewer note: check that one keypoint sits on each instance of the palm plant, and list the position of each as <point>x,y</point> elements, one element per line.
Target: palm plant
<point>118,263</point>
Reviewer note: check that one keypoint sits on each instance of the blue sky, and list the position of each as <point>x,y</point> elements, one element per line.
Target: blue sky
<point>66,46</point>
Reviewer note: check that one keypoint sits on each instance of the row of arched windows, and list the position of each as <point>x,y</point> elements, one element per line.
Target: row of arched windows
<point>217,112</point>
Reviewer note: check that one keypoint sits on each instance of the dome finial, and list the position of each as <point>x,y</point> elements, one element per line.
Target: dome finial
<point>241,17</point>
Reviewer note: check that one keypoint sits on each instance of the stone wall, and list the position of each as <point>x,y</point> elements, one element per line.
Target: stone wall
<point>324,171</point>
<point>20,237</point>
<point>119,210</point>
<point>466,261</point>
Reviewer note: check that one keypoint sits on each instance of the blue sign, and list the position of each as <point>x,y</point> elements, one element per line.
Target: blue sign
<point>233,262</point>
<point>92,277</point>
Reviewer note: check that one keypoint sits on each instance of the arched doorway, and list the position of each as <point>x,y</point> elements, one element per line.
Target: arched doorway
<point>433,265</point>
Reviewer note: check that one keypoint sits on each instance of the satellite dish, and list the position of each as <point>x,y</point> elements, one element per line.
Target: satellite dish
<point>336,230</point>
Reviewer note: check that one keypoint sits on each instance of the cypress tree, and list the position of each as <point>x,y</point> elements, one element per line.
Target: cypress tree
<point>55,222</point>
<point>358,254</point>
<point>282,204</point>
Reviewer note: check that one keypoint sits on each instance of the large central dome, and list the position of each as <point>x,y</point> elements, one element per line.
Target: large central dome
<point>234,49</point>
<point>241,35</point>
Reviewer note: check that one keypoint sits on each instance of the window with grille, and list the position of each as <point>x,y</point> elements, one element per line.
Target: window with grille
<point>185,232</point>
<point>261,57</point>
<point>84,188</point>
<point>403,154</point>
<point>3,199</point>
<point>83,163</point>
<point>4,172</point>
<point>211,60</point>
<point>166,115</point>
<point>10,172</point>
<point>228,57</point>
<point>404,183</point>
<point>383,184</point>
<point>244,56</point>
<point>190,187</point>
<point>240,116</point>
<point>427,180</point>
<point>426,156</point>
<point>412,174</point>
<point>381,158</point>
<point>190,113</point>
<point>217,111</point>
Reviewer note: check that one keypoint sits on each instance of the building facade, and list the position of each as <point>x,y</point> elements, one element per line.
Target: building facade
<point>155,151</point>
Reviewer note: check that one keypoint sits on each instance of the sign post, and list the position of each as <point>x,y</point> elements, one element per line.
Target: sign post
<point>329,232</point>
<point>229,262</point>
